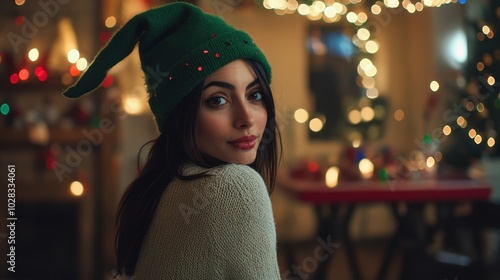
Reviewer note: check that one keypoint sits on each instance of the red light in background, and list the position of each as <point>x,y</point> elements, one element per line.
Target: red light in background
<point>14,78</point>
<point>50,163</point>
<point>38,70</point>
<point>312,166</point>
<point>104,36</point>
<point>24,74</point>
<point>74,71</point>
<point>19,20</point>
<point>43,76</point>
<point>41,73</point>
<point>108,81</point>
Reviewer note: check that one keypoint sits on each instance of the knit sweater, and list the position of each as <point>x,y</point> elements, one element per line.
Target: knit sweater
<point>215,227</point>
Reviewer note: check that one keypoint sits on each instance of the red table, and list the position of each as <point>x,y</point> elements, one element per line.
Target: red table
<point>396,191</point>
<point>362,192</point>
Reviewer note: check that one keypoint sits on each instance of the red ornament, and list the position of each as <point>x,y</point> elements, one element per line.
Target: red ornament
<point>108,81</point>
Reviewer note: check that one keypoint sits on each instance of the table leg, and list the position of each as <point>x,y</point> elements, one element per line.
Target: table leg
<point>326,231</point>
<point>349,246</point>
<point>391,247</point>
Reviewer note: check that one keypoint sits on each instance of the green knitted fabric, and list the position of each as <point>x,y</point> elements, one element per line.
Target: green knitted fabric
<point>179,46</point>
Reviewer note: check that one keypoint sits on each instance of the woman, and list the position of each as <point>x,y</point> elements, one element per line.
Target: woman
<point>200,207</point>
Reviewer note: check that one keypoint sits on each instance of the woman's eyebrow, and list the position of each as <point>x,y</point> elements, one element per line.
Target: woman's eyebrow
<point>255,82</point>
<point>219,84</point>
<point>228,85</point>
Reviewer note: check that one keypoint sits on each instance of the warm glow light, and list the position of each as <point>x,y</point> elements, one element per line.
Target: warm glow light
<point>491,142</point>
<point>410,8</point>
<point>478,139</point>
<point>368,82</point>
<point>472,133</point>
<point>367,114</point>
<point>371,71</point>
<point>372,93</point>
<point>434,86</point>
<point>480,66</point>
<point>352,17</point>
<point>132,105</point>
<point>292,5</point>
<point>332,177</point>
<point>365,63</point>
<point>315,125</point>
<point>480,107</point>
<point>461,122</point>
<point>391,3</point>
<point>430,162</point>
<point>362,17</point>
<point>363,34</point>
<point>356,143</point>
<point>81,64</point>
<point>376,9</point>
<point>319,5</point>
<point>330,12</point>
<point>303,9</point>
<point>301,115</point>
<point>469,106</point>
<point>366,167</point>
<point>491,80</point>
<point>76,188</point>
<point>399,115</point>
<point>371,46</point>
<point>339,8</point>
<point>33,54</point>
<point>446,130</point>
<point>486,29</point>
<point>20,2</point>
<point>73,55</point>
<point>110,22</point>
<point>354,116</point>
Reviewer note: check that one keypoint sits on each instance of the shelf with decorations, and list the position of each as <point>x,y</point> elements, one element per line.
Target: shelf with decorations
<point>63,149</point>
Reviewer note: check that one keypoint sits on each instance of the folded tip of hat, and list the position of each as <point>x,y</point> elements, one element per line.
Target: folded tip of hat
<point>71,93</point>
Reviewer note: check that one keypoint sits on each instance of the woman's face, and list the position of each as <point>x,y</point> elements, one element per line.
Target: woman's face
<point>232,116</point>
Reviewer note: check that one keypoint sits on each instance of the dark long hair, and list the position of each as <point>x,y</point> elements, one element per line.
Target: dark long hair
<point>167,154</point>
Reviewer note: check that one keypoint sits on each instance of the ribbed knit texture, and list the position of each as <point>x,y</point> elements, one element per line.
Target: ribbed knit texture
<point>216,227</point>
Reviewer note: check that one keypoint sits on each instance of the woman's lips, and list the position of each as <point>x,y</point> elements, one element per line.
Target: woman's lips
<point>245,142</point>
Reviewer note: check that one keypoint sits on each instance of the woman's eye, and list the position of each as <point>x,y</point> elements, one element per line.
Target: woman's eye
<point>255,96</point>
<point>216,101</point>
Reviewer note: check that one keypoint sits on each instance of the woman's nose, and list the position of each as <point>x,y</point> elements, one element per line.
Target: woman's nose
<point>243,117</point>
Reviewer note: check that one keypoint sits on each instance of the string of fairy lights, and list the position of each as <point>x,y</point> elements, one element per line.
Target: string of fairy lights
<point>353,11</point>
<point>358,14</point>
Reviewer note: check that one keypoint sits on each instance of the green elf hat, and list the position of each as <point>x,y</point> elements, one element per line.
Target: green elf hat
<point>179,46</point>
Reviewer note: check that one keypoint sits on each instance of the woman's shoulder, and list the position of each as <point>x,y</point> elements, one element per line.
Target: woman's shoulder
<point>229,172</point>
<point>237,172</point>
